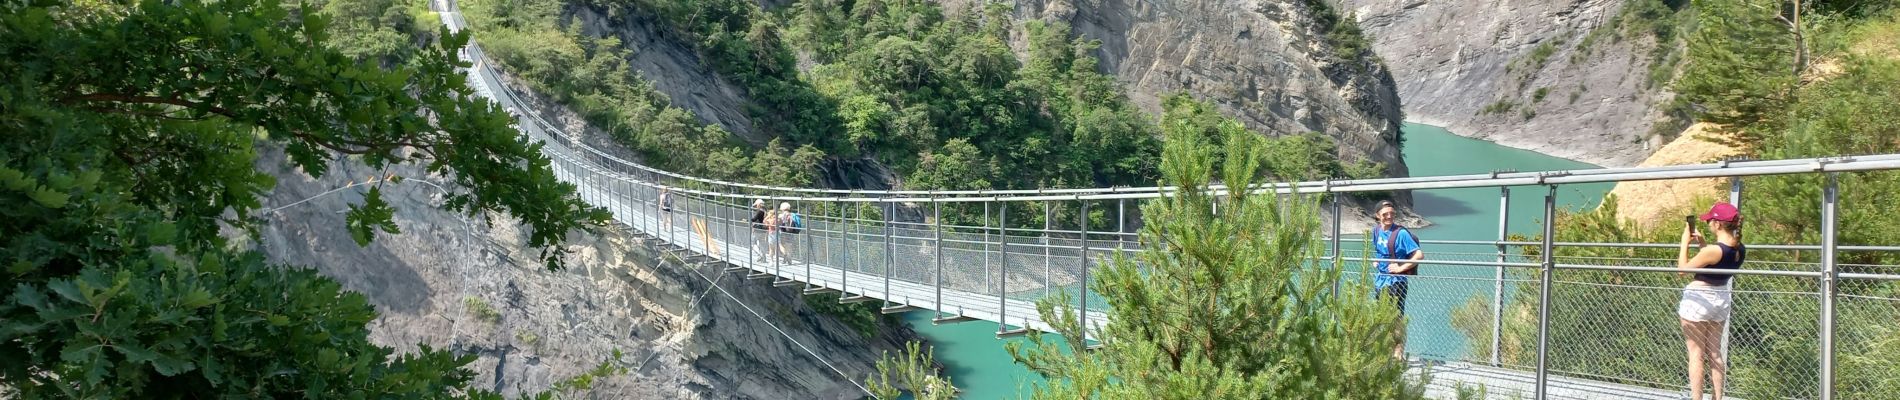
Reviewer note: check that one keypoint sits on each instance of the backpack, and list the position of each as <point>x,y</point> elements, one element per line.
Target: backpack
<point>792,223</point>
<point>1392,245</point>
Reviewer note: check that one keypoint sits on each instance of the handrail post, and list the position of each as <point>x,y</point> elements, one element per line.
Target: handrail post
<point>1338,221</point>
<point>936,212</point>
<point>844,243</point>
<point>1543,295</point>
<point>1121,225</point>
<point>1497,283</point>
<point>807,252</point>
<point>1002,280</point>
<point>1085,272</point>
<point>772,242</point>
<point>1830,196</point>
<point>986,246</point>
<point>1734,198</point>
<point>725,233</point>
<point>1048,240</point>
<point>857,258</point>
<point>890,249</point>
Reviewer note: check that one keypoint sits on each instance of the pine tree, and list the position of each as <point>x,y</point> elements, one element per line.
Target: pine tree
<point>1227,304</point>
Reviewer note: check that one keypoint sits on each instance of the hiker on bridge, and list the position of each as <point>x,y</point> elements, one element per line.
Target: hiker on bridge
<point>785,226</point>
<point>1706,301</point>
<point>1393,242</point>
<point>758,229</point>
<point>666,209</point>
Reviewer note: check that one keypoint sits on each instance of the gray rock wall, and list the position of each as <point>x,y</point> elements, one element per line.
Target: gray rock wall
<point>1450,60</point>
<point>1262,62</point>
<point>552,325</point>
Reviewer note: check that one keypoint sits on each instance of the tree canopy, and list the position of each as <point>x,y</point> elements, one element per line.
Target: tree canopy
<point>130,155</point>
<point>1232,306</point>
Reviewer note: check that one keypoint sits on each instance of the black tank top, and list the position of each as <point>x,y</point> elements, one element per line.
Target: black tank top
<point>1731,259</point>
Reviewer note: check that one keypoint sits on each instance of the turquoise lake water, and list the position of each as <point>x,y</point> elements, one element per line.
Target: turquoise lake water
<point>977,362</point>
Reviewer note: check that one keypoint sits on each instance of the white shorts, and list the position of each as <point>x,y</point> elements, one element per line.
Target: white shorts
<point>1704,303</point>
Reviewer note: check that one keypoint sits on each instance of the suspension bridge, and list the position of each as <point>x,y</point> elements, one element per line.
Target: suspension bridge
<point>1494,302</point>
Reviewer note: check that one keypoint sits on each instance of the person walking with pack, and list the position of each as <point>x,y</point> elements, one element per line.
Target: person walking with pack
<point>789,225</point>
<point>1706,300</point>
<point>666,209</point>
<point>758,229</point>
<point>1393,242</point>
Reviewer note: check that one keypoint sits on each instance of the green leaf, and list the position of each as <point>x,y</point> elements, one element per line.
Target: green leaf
<point>14,179</point>
<point>48,198</point>
<point>66,289</point>
<point>196,298</point>
<point>278,320</point>
<point>161,233</point>
<point>88,179</point>
<point>135,353</point>
<point>169,366</point>
<point>22,267</point>
<point>372,216</point>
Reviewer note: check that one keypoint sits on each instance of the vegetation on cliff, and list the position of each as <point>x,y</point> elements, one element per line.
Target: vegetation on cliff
<point>129,160</point>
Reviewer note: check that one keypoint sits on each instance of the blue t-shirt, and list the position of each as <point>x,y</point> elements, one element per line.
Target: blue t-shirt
<point>1406,246</point>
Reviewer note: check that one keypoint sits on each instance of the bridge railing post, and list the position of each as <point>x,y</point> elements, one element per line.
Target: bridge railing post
<point>1830,196</point>
<point>890,249</point>
<point>1002,275</point>
<point>1543,295</point>
<point>986,247</point>
<point>1339,220</point>
<point>1734,198</point>
<point>725,232</point>
<point>1497,284</point>
<point>936,221</point>
<point>1048,241</point>
<point>1084,314</point>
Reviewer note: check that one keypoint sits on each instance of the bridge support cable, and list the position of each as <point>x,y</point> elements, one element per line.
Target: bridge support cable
<point>1830,289</point>
<point>1497,288</point>
<point>1543,295</point>
<point>781,331</point>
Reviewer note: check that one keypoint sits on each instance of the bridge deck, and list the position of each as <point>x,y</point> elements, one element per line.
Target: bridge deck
<point>601,187</point>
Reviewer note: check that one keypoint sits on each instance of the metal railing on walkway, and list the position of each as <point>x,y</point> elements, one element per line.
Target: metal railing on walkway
<point>1541,319</point>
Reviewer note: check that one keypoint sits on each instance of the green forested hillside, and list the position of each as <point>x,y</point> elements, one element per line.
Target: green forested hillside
<point>941,99</point>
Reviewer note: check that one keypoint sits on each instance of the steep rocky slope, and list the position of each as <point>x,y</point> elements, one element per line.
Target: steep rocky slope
<point>1263,62</point>
<point>431,282</point>
<point>1266,63</point>
<point>1477,66</point>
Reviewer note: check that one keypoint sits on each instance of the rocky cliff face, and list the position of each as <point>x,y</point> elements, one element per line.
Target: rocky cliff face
<point>1476,68</point>
<point>431,282</point>
<point>1263,62</point>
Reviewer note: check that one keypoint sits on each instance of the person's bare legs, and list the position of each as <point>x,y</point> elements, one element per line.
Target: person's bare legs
<point>1712,351</point>
<point>1692,338</point>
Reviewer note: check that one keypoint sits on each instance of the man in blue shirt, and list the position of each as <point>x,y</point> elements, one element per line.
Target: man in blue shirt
<point>1391,241</point>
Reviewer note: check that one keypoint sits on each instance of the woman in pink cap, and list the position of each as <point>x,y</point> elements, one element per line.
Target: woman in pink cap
<point>1706,301</point>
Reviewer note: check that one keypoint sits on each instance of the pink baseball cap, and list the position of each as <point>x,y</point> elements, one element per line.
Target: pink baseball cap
<point>1724,212</point>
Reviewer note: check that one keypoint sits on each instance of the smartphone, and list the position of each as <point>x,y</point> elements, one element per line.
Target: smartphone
<point>1690,221</point>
